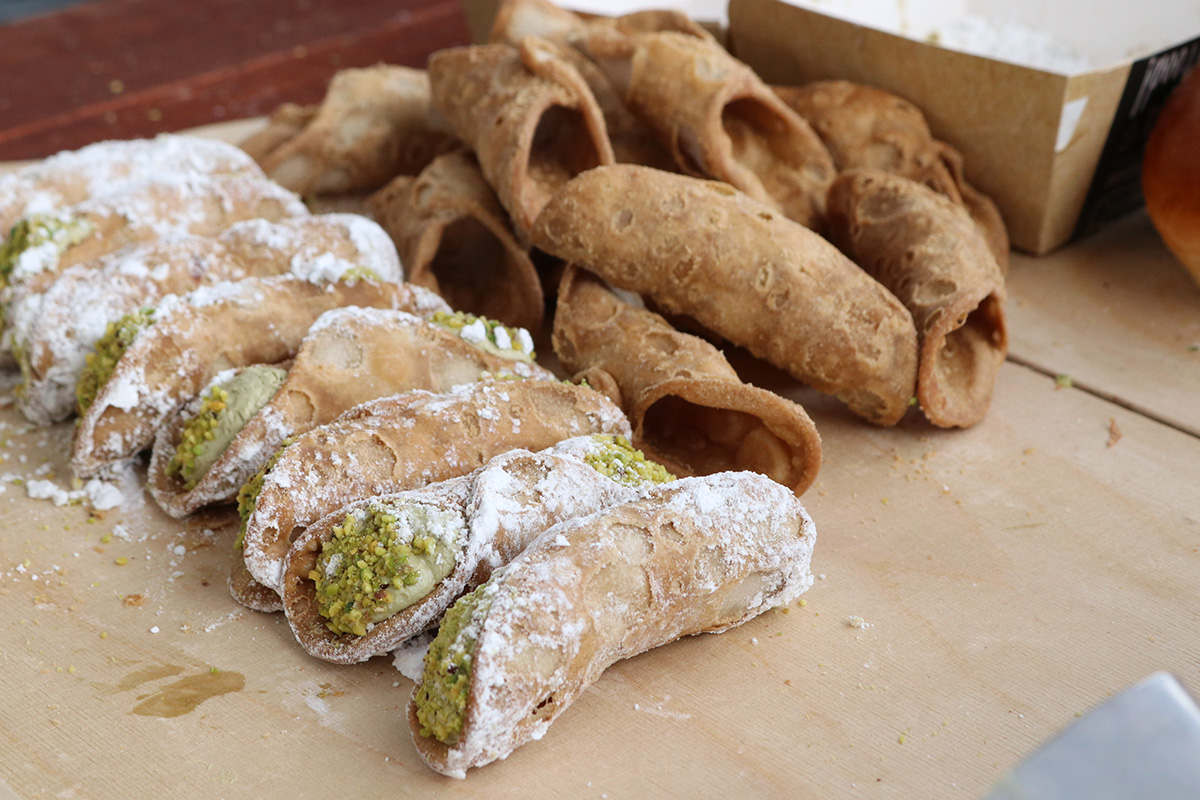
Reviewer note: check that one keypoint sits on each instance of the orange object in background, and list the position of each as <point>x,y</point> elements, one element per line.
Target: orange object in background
<point>1171,173</point>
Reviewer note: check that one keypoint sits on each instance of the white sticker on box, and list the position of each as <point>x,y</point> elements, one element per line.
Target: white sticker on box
<point>1067,123</point>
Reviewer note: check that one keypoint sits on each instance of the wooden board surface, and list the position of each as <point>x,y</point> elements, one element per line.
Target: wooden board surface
<point>1011,576</point>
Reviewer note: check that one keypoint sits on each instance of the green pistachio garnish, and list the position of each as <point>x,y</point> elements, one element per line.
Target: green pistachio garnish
<point>488,335</point>
<point>37,230</point>
<point>226,410</point>
<point>247,496</point>
<point>382,560</point>
<point>109,349</point>
<point>359,273</point>
<point>441,699</point>
<point>615,457</point>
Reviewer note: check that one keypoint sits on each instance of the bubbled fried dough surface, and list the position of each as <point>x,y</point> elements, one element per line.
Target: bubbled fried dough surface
<point>688,408</point>
<point>705,250</point>
<point>407,441</point>
<point>696,555</point>
<point>929,252</point>
<point>532,122</point>
<point>253,321</point>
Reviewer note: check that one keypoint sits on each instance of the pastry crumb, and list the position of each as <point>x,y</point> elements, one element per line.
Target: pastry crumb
<point>855,621</point>
<point>1114,432</point>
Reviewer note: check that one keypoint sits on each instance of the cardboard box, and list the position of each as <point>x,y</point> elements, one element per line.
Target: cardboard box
<point>1059,153</point>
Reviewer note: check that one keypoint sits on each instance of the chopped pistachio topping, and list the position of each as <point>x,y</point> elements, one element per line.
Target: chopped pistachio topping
<point>381,561</point>
<point>488,335</point>
<point>441,699</point>
<point>359,273</point>
<point>615,457</point>
<point>247,496</point>
<point>226,410</point>
<point>36,231</point>
<point>108,351</point>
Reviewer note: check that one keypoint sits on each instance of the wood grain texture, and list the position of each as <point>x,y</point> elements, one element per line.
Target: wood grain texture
<point>126,68</point>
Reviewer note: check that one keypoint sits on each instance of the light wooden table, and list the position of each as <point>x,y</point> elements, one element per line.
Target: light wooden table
<point>1011,576</point>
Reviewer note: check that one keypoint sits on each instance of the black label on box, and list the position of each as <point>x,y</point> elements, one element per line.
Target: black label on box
<point>1116,186</point>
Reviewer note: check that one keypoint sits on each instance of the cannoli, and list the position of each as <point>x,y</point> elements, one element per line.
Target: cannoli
<point>73,176</point>
<point>697,555</point>
<point>742,270</point>
<point>867,127</point>
<point>530,118</point>
<point>719,120</point>
<point>454,238</point>
<point>404,442</point>
<point>349,356</point>
<point>441,541</point>
<point>149,363</point>
<point>516,19</point>
<point>688,408</point>
<point>929,252</point>
<point>53,332</point>
<point>42,245</point>
<point>373,125</point>
<point>285,123</point>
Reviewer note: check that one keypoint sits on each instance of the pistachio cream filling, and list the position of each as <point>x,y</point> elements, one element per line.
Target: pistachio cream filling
<point>40,239</point>
<point>247,496</point>
<point>441,699</point>
<point>488,335</point>
<point>108,351</point>
<point>615,457</point>
<point>381,560</point>
<point>222,414</point>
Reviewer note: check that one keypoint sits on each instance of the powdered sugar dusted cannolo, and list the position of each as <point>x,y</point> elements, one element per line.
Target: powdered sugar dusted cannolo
<point>216,443</point>
<point>455,238</point>
<point>705,250</point>
<point>431,556</point>
<point>693,556</point>
<point>688,408</point>
<point>404,442</point>
<point>153,362</point>
<point>928,251</point>
<point>53,332</point>
<point>72,176</point>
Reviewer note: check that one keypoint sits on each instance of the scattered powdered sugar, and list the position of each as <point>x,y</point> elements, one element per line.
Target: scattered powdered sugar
<point>409,658</point>
<point>99,494</point>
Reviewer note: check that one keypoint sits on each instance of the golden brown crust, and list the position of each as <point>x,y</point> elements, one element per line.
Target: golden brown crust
<point>348,357</point>
<point>455,239</point>
<point>870,128</point>
<point>254,321</point>
<point>693,556</point>
<point>741,269</point>
<point>929,252</point>
<point>516,19</point>
<point>719,120</point>
<point>249,592</point>
<point>688,408</point>
<point>283,125</point>
<point>373,124</point>
<point>407,441</point>
<point>528,116</point>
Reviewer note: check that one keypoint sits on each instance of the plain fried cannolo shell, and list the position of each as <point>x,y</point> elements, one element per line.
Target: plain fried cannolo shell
<point>928,251</point>
<point>454,239</point>
<point>55,337</point>
<point>529,117</point>
<point>699,555</point>
<point>870,128</point>
<point>721,121</point>
<point>284,123</point>
<point>742,270</point>
<point>254,321</point>
<point>505,504</point>
<point>373,124</point>
<point>516,19</point>
<point>349,356</point>
<point>688,408</point>
<point>407,441</point>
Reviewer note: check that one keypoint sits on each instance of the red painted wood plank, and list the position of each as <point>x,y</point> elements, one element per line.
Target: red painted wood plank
<point>242,61</point>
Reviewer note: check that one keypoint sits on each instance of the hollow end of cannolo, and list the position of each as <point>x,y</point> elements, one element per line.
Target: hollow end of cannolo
<point>698,426</point>
<point>564,142</point>
<point>478,269</point>
<point>960,356</point>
